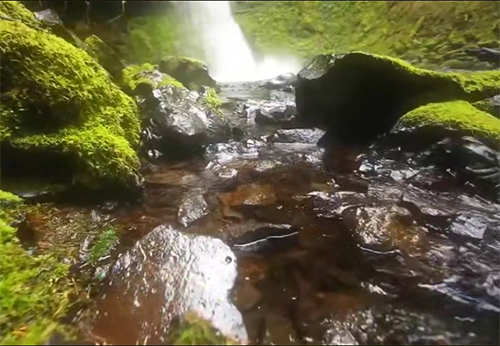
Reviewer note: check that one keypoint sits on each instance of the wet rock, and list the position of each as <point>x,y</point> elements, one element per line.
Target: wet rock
<point>192,73</point>
<point>280,331</point>
<point>223,153</point>
<point>192,208</point>
<point>275,113</point>
<point>387,228</point>
<point>333,205</point>
<point>307,136</point>
<point>251,195</point>
<point>245,295</point>
<point>284,81</point>
<point>177,124</point>
<point>343,94</point>
<point>485,54</point>
<point>266,238</point>
<point>164,275</point>
<point>490,105</point>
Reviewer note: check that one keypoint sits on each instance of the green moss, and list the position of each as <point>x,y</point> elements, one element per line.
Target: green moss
<point>192,73</point>
<point>35,292</point>
<point>105,241</point>
<point>413,30</point>
<point>135,75</point>
<point>9,199</point>
<point>459,115</point>
<point>104,55</point>
<point>194,330</point>
<point>212,101</point>
<point>14,10</point>
<point>56,97</point>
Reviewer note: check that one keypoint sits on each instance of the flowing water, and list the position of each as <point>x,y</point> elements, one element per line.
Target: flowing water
<point>225,49</point>
<point>278,241</point>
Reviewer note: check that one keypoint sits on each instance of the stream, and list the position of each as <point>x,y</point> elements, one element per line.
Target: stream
<point>278,241</point>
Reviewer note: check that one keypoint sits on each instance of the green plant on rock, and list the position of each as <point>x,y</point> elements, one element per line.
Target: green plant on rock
<point>103,245</point>
<point>57,98</point>
<point>212,101</point>
<point>194,330</point>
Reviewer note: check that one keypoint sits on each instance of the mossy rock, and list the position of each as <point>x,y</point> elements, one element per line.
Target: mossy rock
<point>490,105</point>
<point>192,73</point>
<point>140,80</point>
<point>455,115</point>
<point>358,96</point>
<point>191,329</point>
<point>58,102</point>
<point>105,56</point>
<point>15,11</point>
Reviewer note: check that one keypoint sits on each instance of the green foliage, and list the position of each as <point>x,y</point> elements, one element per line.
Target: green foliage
<point>425,33</point>
<point>459,115</point>
<point>35,291</point>
<point>8,199</point>
<point>56,97</point>
<point>150,38</point>
<point>105,241</point>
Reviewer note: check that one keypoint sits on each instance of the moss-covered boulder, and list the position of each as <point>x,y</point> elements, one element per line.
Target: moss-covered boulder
<point>490,105</point>
<point>190,72</point>
<point>358,96</point>
<point>141,80</point>
<point>61,115</point>
<point>105,56</point>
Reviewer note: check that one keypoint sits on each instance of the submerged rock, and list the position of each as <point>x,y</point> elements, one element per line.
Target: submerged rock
<point>190,72</point>
<point>66,119</point>
<point>358,96</point>
<point>306,136</point>
<point>165,275</point>
<point>192,208</point>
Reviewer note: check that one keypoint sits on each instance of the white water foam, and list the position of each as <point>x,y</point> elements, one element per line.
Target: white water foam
<point>225,49</point>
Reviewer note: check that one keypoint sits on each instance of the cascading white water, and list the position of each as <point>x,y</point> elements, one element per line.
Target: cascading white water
<point>225,49</point>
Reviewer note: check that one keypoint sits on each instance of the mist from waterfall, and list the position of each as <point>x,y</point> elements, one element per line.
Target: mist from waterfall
<point>211,26</point>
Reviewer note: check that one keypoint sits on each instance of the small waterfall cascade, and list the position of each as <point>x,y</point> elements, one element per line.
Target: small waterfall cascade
<point>225,49</point>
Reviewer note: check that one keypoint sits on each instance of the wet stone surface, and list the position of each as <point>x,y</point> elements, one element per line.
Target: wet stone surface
<point>165,275</point>
<point>280,241</point>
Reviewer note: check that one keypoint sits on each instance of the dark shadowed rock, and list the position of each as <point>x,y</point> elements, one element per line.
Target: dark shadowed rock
<point>490,105</point>
<point>486,54</point>
<point>357,96</point>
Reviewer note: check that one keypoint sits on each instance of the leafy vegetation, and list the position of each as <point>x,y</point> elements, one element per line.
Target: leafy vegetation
<point>194,330</point>
<point>105,241</point>
<point>425,33</point>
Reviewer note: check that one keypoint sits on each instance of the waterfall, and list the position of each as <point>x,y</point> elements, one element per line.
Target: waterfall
<point>210,24</point>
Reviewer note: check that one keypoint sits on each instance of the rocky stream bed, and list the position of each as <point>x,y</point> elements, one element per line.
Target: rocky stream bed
<point>276,240</point>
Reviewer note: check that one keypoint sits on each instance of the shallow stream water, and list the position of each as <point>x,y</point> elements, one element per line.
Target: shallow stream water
<point>278,241</point>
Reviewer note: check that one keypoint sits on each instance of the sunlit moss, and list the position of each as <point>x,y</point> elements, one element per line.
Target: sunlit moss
<point>135,75</point>
<point>56,97</point>
<point>194,330</point>
<point>459,115</point>
<point>35,290</point>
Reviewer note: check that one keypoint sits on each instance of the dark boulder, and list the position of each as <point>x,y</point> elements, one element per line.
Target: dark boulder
<point>357,96</point>
<point>489,55</point>
<point>490,105</point>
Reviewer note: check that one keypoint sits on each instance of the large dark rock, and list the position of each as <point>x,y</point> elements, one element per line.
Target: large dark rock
<point>358,96</point>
